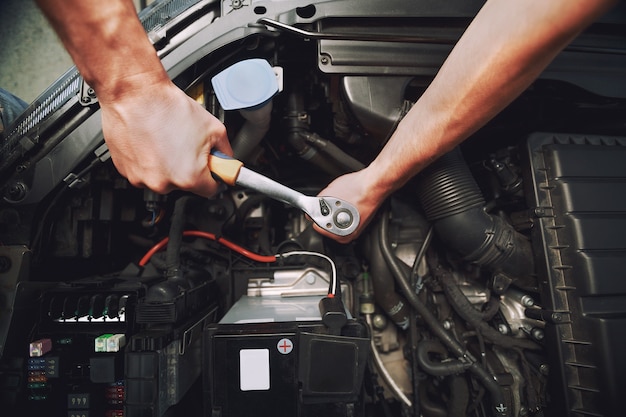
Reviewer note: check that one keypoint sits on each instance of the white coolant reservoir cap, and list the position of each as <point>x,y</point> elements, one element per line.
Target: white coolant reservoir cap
<point>246,84</point>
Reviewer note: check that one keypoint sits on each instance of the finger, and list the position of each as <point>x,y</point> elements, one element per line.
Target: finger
<point>205,185</point>
<point>341,239</point>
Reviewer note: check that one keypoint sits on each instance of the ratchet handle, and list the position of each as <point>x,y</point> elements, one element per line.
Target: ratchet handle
<point>225,167</point>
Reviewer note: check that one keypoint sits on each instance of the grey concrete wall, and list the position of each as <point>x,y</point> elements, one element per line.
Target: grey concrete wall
<point>31,56</point>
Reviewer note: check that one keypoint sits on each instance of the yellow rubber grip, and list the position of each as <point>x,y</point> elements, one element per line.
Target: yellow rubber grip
<point>227,169</point>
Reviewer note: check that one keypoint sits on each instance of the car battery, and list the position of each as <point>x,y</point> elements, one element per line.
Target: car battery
<point>273,356</point>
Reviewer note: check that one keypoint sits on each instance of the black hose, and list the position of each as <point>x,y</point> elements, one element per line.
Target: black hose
<point>493,306</point>
<point>172,253</point>
<point>398,272</point>
<point>429,408</point>
<point>296,125</point>
<point>466,310</point>
<point>438,368</point>
<point>437,328</point>
<point>453,202</point>
<point>395,306</point>
<point>414,339</point>
<point>459,396</point>
<point>491,384</point>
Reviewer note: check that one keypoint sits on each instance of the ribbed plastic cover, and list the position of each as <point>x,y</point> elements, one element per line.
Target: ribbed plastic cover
<point>580,197</point>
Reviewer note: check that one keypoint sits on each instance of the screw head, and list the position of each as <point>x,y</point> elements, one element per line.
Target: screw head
<point>310,278</point>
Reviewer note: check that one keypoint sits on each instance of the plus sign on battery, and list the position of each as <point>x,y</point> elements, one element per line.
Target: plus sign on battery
<point>285,346</point>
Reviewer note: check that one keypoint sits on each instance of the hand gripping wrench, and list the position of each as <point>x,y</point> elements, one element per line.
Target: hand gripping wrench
<point>331,214</point>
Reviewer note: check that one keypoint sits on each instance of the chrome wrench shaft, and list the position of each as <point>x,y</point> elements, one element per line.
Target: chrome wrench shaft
<point>331,214</point>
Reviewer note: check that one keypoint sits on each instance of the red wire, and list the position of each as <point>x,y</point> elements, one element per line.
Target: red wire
<point>206,235</point>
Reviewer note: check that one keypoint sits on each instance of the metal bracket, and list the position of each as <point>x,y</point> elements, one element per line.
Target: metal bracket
<point>87,95</point>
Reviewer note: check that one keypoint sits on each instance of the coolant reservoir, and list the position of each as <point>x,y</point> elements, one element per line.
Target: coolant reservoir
<point>246,84</point>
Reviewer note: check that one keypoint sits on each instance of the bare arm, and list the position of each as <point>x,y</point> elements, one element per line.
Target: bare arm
<point>503,50</point>
<point>158,137</point>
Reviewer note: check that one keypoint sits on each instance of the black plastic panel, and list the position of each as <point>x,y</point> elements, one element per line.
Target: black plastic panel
<point>579,184</point>
<point>311,372</point>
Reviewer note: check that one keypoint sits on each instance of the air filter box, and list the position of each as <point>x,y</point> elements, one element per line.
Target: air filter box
<point>579,199</point>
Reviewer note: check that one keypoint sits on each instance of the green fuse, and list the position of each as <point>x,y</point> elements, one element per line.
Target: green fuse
<point>100,344</point>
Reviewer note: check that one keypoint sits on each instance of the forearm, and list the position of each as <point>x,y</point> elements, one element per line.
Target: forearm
<point>108,44</point>
<point>158,137</point>
<point>505,48</point>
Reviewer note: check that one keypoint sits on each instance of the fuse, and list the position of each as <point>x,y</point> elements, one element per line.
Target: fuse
<point>109,342</point>
<point>78,401</point>
<point>100,344</point>
<point>37,376</point>
<point>40,347</point>
<point>115,342</point>
<point>36,364</point>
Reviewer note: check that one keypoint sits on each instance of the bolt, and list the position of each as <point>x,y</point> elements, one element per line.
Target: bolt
<point>527,301</point>
<point>447,324</point>
<point>5,264</point>
<point>324,60</point>
<point>544,369</point>
<point>557,317</point>
<point>537,333</point>
<point>379,321</point>
<point>343,219</point>
<point>310,278</point>
<point>523,411</point>
<point>503,328</point>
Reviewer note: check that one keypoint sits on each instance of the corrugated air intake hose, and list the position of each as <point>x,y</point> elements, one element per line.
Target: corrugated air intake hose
<point>455,205</point>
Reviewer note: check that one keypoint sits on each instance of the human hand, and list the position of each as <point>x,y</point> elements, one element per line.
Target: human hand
<point>358,189</point>
<point>160,138</point>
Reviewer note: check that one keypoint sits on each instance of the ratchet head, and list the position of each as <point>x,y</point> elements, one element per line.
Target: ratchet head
<point>333,214</point>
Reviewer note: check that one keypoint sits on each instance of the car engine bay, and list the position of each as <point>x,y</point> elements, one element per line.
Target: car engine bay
<point>491,284</point>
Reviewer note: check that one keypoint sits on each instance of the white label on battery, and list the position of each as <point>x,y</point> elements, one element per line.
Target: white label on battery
<point>254,369</point>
